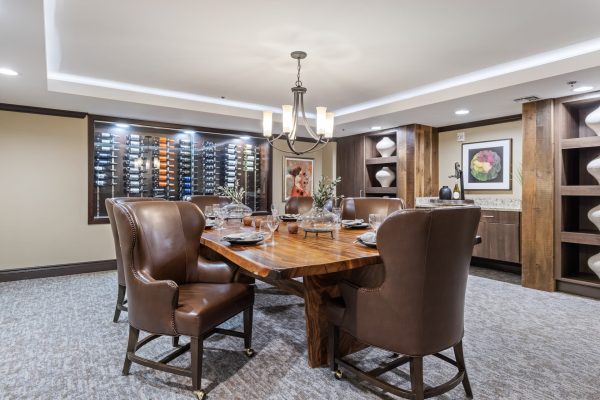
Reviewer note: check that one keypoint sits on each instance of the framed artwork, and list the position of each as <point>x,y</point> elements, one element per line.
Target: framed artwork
<point>487,165</point>
<point>297,177</point>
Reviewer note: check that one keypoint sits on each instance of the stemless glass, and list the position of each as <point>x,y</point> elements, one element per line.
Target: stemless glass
<point>208,212</point>
<point>272,224</point>
<point>219,219</point>
<point>375,221</point>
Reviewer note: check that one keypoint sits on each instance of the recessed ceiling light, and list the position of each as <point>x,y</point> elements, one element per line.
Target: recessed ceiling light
<point>121,125</point>
<point>244,137</point>
<point>375,128</point>
<point>461,112</point>
<point>189,131</point>
<point>8,72</point>
<point>582,88</point>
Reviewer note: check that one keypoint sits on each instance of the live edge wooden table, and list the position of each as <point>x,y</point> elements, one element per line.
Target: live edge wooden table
<point>321,261</point>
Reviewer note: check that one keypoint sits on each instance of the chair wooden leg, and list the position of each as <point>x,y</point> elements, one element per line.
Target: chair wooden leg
<point>460,360</point>
<point>248,315</point>
<point>416,377</point>
<point>175,341</point>
<point>333,346</point>
<point>197,349</point>
<point>120,300</point>
<point>133,339</point>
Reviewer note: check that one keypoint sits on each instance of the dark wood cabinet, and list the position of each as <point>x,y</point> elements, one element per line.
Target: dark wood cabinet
<point>350,164</point>
<point>500,232</point>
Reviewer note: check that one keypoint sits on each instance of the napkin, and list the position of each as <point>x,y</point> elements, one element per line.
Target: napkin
<point>352,221</point>
<point>368,237</point>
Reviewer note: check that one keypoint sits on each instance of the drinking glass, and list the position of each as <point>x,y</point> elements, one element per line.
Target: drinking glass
<point>208,212</point>
<point>338,215</point>
<point>274,210</point>
<point>375,221</point>
<point>272,224</point>
<point>219,219</point>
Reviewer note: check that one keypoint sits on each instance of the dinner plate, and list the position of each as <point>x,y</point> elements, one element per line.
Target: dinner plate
<point>357,226</point>
<point>289,218</point>
<point>368,244</point>
<point>209,225</point>
<point>244,238</point>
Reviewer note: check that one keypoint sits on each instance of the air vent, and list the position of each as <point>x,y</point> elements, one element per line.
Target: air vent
<point>526,99</point>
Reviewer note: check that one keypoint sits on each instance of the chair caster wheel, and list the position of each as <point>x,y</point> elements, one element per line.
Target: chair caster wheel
<point>338,374</point>
<point>249,353</point>
<point>200,394</point>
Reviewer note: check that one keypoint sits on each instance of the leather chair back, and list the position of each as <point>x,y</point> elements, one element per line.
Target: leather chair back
<point>298,205</point>
<point>203,201</point>
<point>361,207</point>
<point>110,203</point>
<point>159,242</point>
<point>419,308</point>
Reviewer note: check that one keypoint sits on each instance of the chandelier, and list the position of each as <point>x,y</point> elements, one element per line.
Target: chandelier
<point>292,115</point>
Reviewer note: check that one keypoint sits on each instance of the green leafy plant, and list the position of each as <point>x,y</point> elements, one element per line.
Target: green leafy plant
<point>236,193</point>
<point>325,191</point>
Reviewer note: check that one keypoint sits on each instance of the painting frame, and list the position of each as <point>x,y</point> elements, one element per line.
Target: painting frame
<point>308,167</point>
<point>502,179</point>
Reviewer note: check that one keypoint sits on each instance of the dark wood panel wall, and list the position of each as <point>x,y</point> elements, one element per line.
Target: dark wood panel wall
<point>537,242</point>
<point>350,161</point>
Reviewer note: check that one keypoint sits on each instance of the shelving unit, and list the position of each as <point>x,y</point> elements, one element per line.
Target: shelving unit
<point>374,162</point>
<point>576,237</point>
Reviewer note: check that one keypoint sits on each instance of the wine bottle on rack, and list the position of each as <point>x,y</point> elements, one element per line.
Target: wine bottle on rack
<point>133,190</point>
<point>103,176</point>
<point>134,150</point>
<point>106,135</point>
<point>102,183</point>
<point>105,162</point>
<point>103,168</point>
<point>135,157</point>
<point>105,155</point>
<point>133,184</point>
<point>133,170</point>
<point>135,137</point>
<point>132,177</point>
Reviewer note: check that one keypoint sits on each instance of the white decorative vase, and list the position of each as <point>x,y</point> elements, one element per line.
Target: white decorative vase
<point>593,120</point>
<point>594,216</point>
<point>386,147</point>
<point>594,264</point>
<point>593,168</point>
<point>385,176</point>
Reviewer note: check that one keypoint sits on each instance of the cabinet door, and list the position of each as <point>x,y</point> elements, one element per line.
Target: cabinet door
<point>481,249</point>
<point>350,164</point>
<point>504,242</point>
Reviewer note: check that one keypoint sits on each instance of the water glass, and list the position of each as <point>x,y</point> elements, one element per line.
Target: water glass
<point>272,224</point>
<point>219,219</point>
<point>274,210</point>
<point>375,221</point>
<point>208,212</point>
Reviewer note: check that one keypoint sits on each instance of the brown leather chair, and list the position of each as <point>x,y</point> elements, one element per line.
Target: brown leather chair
<point>171,289</point>
<point>203,201</point>
<point>110,203</point>
<point>418,310</point>
<point>301,205</point>
<point>361,207</point>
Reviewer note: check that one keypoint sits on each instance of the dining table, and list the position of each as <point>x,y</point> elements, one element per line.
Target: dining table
<point>310,266</point>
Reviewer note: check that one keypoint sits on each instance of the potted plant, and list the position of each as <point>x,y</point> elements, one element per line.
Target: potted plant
<point>318,219</point>
<point>236,193</point>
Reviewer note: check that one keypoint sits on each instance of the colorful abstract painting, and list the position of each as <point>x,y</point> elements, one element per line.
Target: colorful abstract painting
<point>487,165</point>
<point>297,177</point>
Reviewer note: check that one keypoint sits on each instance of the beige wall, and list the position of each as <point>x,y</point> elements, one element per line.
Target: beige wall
<point>43,205</point>
<point>450,152</point>
<point>324,166</point>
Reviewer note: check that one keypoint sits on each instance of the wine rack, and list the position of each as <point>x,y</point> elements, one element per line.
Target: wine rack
<point>141,159</point>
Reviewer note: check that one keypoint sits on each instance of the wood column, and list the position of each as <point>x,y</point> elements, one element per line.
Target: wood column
<point>417,169</point>
<point>537,219</point>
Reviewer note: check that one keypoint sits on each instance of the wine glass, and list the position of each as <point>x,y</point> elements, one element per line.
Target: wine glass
<point>338,215</point>
<point>375,221</point>
<point>272,224</point>
<point>274,210</point>
<point>208,212</point>
<point>219,219</point>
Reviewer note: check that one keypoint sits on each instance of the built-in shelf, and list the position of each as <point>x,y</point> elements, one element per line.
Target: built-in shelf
<point>381,190</point>
<point>581,279</point>
<point>590,238</point>
<point>381,160</point>
<point>580,190</point>
<point>580,142</point>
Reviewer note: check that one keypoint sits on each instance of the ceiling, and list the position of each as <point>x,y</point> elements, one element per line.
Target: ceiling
<point>220,63</point>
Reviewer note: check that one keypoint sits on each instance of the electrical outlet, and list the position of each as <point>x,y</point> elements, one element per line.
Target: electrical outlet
<point>460,136</point>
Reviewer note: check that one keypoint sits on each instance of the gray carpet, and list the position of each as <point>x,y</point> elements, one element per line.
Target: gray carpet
<point>58,342</point>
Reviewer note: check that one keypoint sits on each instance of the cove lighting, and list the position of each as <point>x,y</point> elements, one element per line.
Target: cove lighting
<point>375,128</point>
<point>8,72</point>
<point>121,125</point>
<point>582,89</point>
<point>461,112</point>
<point>244,137</point>
<point>189,131</point>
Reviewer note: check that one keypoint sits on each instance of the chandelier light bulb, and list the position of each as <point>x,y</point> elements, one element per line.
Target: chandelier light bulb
<point>321,120</point>
<point>267,123</point>
<point>287,119</point>
<point>329,125</point>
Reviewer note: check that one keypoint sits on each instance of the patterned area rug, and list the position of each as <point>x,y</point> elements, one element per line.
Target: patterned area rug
<point>58,342</point>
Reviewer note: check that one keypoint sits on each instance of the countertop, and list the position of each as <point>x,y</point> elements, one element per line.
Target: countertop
<point>486,203</point>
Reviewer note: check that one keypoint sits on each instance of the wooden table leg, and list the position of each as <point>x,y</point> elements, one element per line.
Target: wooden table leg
<point>317,289</point>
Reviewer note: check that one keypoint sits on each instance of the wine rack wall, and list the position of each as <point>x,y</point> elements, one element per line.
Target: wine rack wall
<point>170,162</point>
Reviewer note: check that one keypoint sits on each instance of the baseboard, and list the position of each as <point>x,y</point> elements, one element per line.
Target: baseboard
<point>497,265</point>
<point>18,274</point>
